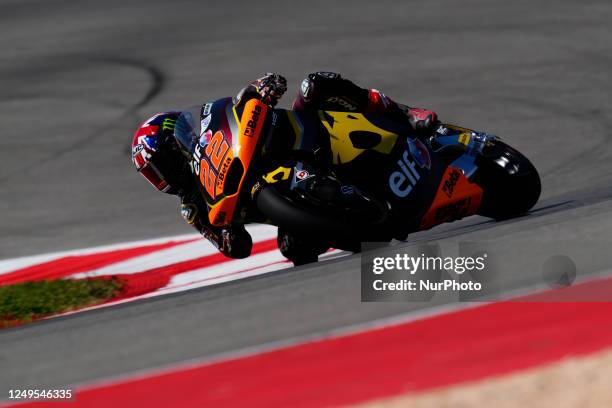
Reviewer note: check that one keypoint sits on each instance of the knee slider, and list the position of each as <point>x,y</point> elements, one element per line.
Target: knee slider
<point>189,212</point>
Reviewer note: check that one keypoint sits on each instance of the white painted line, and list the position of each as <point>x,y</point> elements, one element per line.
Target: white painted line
<point>9,265</point>
<point>165,257</point>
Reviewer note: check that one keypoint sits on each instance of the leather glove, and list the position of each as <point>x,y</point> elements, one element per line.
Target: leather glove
<point>271,87</point>
<point>422,120</point>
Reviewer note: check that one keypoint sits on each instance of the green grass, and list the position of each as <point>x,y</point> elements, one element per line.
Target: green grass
<point>24,302</point>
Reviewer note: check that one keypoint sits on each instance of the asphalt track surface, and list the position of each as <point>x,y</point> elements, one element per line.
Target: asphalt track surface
<point>78,76</point>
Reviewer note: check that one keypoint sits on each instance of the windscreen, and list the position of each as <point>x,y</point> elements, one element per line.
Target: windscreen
<point>187,129</point>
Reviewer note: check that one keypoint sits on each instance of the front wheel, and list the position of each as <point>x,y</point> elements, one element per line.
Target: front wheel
<point>300,249</point>
<point>511,184</point>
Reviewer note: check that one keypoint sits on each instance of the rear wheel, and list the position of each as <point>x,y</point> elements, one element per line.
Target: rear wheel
<point>511,184</point>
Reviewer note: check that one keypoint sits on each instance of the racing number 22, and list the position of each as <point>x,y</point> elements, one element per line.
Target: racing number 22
<point>215,151</point>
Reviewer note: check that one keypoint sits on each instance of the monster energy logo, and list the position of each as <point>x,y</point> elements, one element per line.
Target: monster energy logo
<point>168,124</point>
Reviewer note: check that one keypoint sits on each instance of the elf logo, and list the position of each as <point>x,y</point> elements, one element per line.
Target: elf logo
<point>402,181</point>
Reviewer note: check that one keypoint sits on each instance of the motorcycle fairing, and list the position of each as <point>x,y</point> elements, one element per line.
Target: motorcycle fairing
<point>472,143</point>
<point>351,134</point>
<point>237,160</point>
<point>456,198</point>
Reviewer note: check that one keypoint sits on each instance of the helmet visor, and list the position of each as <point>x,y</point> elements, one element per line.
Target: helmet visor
<point>154,176</point>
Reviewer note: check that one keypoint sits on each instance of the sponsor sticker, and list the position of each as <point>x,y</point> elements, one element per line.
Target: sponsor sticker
<point>403,180</point>
<point>347,190</point>
<point>449,184</point>
<point>137,149</point>
<point>442,130</point>
<point>252,123</point>
<point>342,102</point>
<point>329,75</point>
<point>464,138</point>
<point>204,124</point>
<point>305,87</point>
<point>206,109</point>
<point>453,211</point>
<point>420,153</point>
<point>169,124</point>
<point>272,178</point>
<point>205,138</point>
<point>223,171</point>
<point>195,162</point>
<point>301,175</point>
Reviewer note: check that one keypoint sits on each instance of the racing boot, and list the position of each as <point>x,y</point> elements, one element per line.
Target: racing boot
<point>423,121</point>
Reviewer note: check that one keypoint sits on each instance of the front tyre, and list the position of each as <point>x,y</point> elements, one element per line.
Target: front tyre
<point>300,249</point>
<point>511,184</point>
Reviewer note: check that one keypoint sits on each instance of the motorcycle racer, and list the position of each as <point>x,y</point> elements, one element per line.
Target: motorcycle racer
<point>161,160</point>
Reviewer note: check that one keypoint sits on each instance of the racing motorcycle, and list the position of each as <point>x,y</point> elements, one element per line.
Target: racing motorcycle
<point>336,179</point>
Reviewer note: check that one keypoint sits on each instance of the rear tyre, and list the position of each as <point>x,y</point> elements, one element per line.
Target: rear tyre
<point>511,184</point>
